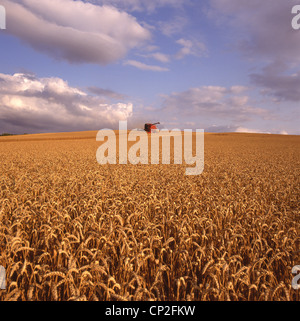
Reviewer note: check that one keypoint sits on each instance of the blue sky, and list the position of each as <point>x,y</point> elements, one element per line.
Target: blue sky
<point>218,65</point>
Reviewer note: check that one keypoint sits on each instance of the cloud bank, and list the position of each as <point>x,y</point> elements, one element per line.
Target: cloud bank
<point>213,102</point>
<point>30,104</point>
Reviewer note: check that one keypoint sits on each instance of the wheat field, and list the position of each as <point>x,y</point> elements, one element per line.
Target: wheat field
<point>71,229</point>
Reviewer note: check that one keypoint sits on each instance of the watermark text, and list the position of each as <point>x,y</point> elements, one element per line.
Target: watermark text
<point>2,17</point>
<point>183,147</point>
<point>296,18</point>
<point>2,278</point>
<point>295,284</point>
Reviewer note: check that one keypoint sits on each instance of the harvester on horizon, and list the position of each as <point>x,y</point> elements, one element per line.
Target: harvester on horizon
<point>149,127</point>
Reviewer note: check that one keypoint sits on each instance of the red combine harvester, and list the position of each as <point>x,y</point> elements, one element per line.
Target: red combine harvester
<point>149,127</point>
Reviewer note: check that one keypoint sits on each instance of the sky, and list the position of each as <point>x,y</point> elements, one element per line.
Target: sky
<point>217,65</point>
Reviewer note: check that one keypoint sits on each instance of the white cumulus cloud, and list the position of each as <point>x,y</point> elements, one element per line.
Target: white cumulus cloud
<point>75,31</point>
<point>30,104</point>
